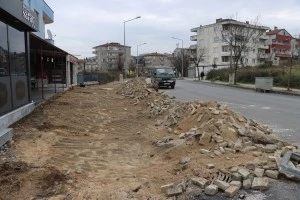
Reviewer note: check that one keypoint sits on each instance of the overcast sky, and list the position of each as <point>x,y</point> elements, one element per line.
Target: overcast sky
<point>81,25</point>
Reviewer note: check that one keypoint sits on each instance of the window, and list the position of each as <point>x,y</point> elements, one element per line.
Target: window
<point>225,59</point>
<point>253,61</point>
<point>103,60</point>
<point>216,39</point>
<point>246,60</point>
<point>253,50</point>
<point>216,29</point>
<point>17,59</point>
<point>4,71</point>
<point>225,49</point>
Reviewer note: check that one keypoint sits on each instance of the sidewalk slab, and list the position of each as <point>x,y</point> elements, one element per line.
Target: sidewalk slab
<point>276,90</point>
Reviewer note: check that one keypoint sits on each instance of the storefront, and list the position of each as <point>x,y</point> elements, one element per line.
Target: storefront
<point>16,22</point>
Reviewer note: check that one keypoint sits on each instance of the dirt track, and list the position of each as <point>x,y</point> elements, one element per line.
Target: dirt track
<point>99,145</point>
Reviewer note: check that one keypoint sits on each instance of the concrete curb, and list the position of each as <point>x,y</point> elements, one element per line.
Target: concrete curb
<point>248,88</point>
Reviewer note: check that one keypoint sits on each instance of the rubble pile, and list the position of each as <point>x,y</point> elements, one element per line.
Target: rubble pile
<point>218,131</point>
<point>136,89</point>
<point>253,175</point>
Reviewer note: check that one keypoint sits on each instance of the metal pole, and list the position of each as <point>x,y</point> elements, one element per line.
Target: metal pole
<point>125,40</point>
<point>124,35</point>
<point>137,61</point>
<point>54,69</point>
<point>42,71</point>
<point>181,54</point>
<point>182,58</point>
<point>299,49</point>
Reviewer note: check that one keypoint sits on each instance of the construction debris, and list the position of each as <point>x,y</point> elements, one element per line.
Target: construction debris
<point>217,130</point>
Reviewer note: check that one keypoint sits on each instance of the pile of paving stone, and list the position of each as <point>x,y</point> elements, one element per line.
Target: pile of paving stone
<point>218,131</point>
<point>136,88</point>
<point>253,175</point>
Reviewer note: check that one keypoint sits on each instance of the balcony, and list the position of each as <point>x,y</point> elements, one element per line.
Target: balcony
<point>264,37</point>
<point>281,46</point>
<point>48,14</point>
<point>261,56</point>
<point>193,38</point>
<point>283,37</point>
<point>193,46</point>
<point>283,55</point>
<point>194,30</point>
<point>262,46</point>
<point>225,53</point>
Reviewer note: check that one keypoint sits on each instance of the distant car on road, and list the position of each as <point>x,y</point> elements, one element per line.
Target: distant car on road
<point>163,76</point>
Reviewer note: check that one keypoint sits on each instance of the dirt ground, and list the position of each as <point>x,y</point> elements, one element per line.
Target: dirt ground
<point>92,143</point>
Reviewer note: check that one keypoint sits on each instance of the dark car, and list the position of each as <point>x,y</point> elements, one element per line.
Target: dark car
<point>163,76</point>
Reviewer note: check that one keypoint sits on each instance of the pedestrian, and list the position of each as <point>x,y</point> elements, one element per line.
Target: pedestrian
<point>202,75</point>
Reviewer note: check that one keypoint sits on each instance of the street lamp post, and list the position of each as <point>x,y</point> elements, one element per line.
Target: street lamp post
<point>137,61</point>
<point>125,38</point>
<point>124,26</point>
<point>181,54</point>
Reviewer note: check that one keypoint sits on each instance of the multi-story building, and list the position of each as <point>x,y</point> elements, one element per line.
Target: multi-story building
<point>281,46</point>
<point>44,13</point>
<point>112,56</point>
<point>209,37</point>
<point>156,59</point>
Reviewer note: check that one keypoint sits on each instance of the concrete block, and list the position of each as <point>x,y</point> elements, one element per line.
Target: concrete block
<point>174,191</point>
<point>236,177</point>
<point>247,183</point>
<point>272,174</point>
<point>260,183</point>
<point>258,172</point>
<point>164,188</point>
<point>5,136</point>
<point>236,183</point>
<point>211,190</point>
<point>201,182</point>
<point>231,191</point>
<point>222,184</point>
<point>244,172</point>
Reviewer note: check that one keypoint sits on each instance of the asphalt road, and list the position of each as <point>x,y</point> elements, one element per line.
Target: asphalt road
<point>279,112</point>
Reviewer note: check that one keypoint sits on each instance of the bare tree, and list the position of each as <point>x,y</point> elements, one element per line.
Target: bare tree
<point>121,61</point>
<point>197,57</point>
<point>240,37</point>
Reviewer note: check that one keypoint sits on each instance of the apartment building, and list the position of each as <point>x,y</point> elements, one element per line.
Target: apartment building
<point>281,46</point>
<point>209,37</point>
<point>112,56</point>
<point>156,59</point>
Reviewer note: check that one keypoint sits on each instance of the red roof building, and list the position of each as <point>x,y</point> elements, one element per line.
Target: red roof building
<point>280,44</point>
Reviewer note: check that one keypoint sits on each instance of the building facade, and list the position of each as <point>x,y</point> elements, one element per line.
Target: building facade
<point>44,13</point>
<point>209,37</point>
<point>156,59</point>
<point>112,56</point>
<point>281,46</point>
<point>16,22</point>
<point>28,63</point>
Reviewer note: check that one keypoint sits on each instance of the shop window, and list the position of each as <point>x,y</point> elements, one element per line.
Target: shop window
<point>4,67</point>
<point>16,41</point>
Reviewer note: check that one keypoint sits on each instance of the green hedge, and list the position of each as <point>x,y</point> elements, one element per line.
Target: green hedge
<point>248,74</point>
